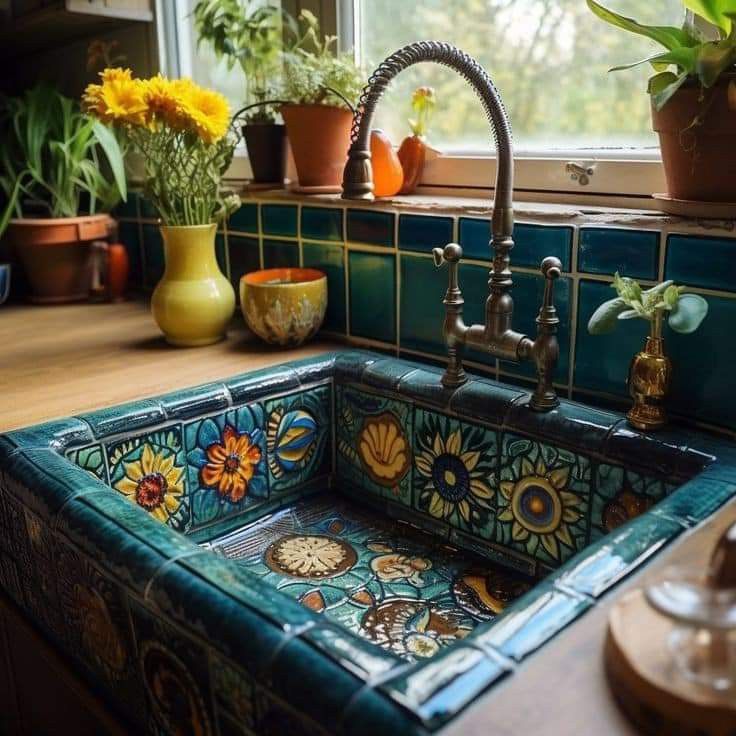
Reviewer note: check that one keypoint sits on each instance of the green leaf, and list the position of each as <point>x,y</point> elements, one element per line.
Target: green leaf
<point>669,36</point>
<point>714,11</point>
<point>713,59</point>
<point>687,316</point>
<point>661,96</point>
<point>110,146</point>
<point>603,320</point>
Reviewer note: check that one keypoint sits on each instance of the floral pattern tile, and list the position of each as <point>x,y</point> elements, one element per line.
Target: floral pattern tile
<point>543,499</point>
<point>455,466</point>
<point>394,586</point>
<point>298,429</point>
<point>620,495</point>
<point>373,438</point>
<point>91,459</point>
<point>150,471</point>
<point>226,464</point>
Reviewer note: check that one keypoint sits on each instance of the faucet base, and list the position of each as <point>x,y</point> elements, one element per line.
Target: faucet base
<point>545,401</point>
<point>454,374</point>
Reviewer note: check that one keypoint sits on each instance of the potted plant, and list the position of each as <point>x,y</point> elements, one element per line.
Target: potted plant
<point>321,88</point>
<point>651,370</point>
<point>248,34</point>
<point>183,133</point>
<point>693,93</point>
<point>56,164</point>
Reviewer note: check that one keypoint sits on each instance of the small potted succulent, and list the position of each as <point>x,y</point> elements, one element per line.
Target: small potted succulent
<point>321,88</point>
<point>651,370</point>
<point>249,34</point>
<point>693,93</point>
<point>61,172</point>
<point>183,132</point>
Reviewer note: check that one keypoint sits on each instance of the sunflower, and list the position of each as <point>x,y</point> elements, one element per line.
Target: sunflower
<point>453,479</point>
<point>119,98</point>
<point>231,464</point>
<point>207,111</point>
<point>538,504</point>
<point>162,101</point>
<point>154,482</point>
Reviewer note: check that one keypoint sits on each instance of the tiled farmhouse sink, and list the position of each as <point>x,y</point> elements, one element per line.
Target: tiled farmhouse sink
<point>334,546</point>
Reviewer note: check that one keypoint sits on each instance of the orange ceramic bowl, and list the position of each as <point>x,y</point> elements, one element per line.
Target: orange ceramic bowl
<point>284,306</point>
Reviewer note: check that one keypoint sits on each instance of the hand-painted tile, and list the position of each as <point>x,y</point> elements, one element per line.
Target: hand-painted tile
<point>701,261</point>
<point>632,253</point>
<point>373,437</point>
<point>421,233</point>
<point>330,259</point>
<point>532,243</point>
<point>621,495</point>
<point>150,471</point>
<point>543,499</point>
<point>153,255</point>
<point>322,223</point>
<point>372,295</point>
<point>91,459</point>
<point>370,226</point>
<point>298,429</point>
<point>226,464</point>
<point>280,254</point>
<point>279,219</point>
<point>244,219</point>
<point>245,256</point>
<point>234,691</point>
<point>455,464</point>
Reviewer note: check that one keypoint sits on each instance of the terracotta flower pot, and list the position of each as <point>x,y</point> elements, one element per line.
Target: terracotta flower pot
<point>56,254</point>
<point>699,161</point>
<point>319,137</point>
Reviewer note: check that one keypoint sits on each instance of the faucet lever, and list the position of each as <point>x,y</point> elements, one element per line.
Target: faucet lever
<point>451,254</point>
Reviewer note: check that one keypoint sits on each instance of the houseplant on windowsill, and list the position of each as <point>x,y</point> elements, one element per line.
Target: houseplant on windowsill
<point>56,164</point>
<point>183,133</point>
<point>651,370</point>
<point>693,93</point>
<point>321,88</point>
<point>248,34</point>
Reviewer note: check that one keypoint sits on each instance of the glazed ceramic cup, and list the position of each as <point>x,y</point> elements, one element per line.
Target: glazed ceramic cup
<point>4,281</point>
<point>284,306</point>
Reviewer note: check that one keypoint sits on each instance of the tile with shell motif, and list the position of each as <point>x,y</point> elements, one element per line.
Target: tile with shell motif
<point>298,429</point>
<point>455,466</point>
<point>97,623</point>
<point>91,459</point>
<point>543,498</point>
<point>175,676</point>
<point>150,471</point>
<point>399,588</point>
<point>373,438</point>
<point>226,464</point>
<point>621,494</point>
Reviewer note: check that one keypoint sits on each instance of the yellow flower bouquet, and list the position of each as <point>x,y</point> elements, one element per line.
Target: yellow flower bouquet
<point>182,131</point>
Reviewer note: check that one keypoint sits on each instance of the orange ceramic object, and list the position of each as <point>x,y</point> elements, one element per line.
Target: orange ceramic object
<point>118,266</point>
<point>412,153</point>
<point>388,176</point>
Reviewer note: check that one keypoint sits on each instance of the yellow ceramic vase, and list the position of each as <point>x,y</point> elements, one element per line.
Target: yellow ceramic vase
<point>193,302</point>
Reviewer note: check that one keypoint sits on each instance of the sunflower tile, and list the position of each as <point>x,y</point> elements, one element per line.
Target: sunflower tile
<point>373,438</point>
<point>543,499</point>
<point>455,464</point>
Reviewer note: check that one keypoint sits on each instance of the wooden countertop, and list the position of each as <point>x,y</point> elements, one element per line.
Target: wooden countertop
<point>59,360</point>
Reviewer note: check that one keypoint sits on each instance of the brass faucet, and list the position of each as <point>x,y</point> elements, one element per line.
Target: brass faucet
<point>496,337</point>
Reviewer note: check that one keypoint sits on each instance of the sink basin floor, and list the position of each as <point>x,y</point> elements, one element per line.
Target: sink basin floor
<point>382,579</point>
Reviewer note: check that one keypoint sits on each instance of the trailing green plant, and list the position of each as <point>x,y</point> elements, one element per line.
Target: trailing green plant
<point>54,155</point>
<point>689,54</point>
<point>314,74</point>
<point>248,34</point>
<point>685,311</point>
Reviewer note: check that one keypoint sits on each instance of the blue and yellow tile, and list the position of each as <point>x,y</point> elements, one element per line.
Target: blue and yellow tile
<point>91,459</point>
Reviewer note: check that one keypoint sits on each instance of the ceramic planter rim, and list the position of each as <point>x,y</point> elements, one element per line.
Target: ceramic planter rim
<point>318,276</point>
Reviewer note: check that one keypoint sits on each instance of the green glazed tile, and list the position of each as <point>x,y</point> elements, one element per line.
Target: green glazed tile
<point>279,219</point>
<point>331,260</point>
<point>632,253</point>
<point>701,261</point>
<point>129,233</point>
<point>694,501</point>
<point>244,219</point>
<point>422,312</point>
<point>421,233</point>
<point>153,255</point>
<point>221,254</point>
<point>372,295</point>
<point>146,208</point>
<point>280,254</point>
<point>245,257</point>
<point>370,226</point>
<point>128,208</point>
<point>322,223</point>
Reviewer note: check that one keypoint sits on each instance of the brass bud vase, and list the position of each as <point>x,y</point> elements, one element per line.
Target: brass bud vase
<point>649,381</point>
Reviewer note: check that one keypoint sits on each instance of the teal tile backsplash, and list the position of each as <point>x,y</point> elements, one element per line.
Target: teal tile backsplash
<point>384,290</point>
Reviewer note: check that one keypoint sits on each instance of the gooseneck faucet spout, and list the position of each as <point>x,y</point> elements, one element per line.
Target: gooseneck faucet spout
<point>496,336</point>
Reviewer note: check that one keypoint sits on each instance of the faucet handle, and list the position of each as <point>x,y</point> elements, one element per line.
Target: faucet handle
<point>451,253</point>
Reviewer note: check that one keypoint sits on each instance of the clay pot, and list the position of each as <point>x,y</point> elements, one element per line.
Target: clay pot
<point>319,137</point>
<point>699,161</point>
<point>266,144</point>
<point>56,254</point>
